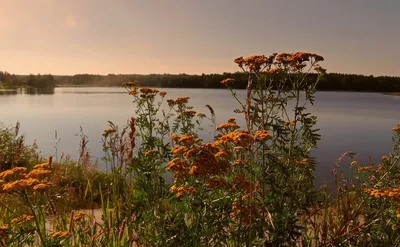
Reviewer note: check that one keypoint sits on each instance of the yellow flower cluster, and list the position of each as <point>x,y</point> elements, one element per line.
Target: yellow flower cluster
<point>59,235</point>
<point>262,135</point>
<point>14,171</point>
<point>22,181</point>
<point>179,101</point>
<point>22,219</point>
<point>150,153</point>
<point>182,190</point>
<point>227,81</point>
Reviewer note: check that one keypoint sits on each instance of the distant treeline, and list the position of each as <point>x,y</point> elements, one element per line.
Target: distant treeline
<point>8,80</point>
<point>330,82</point>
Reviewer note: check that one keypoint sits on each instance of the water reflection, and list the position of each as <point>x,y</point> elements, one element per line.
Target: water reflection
<point>29,91</point>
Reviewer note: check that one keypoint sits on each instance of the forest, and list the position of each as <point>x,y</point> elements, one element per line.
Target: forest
<point>330,81</point>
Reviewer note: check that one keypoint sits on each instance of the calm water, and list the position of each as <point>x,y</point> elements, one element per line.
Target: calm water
<point>357,122</point>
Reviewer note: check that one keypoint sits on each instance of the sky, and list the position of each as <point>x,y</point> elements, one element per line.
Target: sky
<point>66,37</point>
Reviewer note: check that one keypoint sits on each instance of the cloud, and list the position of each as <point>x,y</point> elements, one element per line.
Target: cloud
<point>70,21</point>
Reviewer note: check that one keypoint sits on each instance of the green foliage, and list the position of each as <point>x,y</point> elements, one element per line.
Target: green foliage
<point>13,150</point>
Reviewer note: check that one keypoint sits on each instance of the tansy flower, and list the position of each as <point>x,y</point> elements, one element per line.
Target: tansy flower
<point>186,139</point>
<point>9,173</point>
<point>42,166</point>
<point>20,184</point>
<point>221,154</point>
<point>150,152</point>
<point>227,81</point>
<point>58,235</point>
<point>163,93</point>
<point>108,131</point>
<point>178,150</point>
<point>22,219</point>
<point>227,126</point>
<point>36,173</point>
<point>262,135</point>
<point>133,91</point>
<point>40,187</point>
<point>78,216</point>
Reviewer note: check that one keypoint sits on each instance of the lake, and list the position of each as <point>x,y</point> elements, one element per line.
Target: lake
<point>349,121</point>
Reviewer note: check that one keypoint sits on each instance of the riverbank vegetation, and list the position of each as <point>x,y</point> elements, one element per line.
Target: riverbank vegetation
<point>249,185</point>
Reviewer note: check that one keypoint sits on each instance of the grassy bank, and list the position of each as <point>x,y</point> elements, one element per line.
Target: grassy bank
<point>251,185</point>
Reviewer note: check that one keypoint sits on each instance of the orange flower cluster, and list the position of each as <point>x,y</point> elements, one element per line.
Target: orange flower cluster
<point>186,139</point>
<point>16,179</point>
<point>179,101</point>
<point>256,64</point>
<point>78,216</point>
<point>182,190</point>
<point>148,92</point>
<point>179,167</point>
<point>59,235</point>
<point>393,193</point>
<point>163,93</point>
<point>262,135</point>
<point>150,152</point>
<point>365,168</point>
<point>108,131</point>
<point>9,173</point>
<point>130,84</point>
<point>189,113</point>
<point>228,126</point>
<point>227,81</point>
<point>396,128</point>
<point>238,138</point>
<point>22,219</point>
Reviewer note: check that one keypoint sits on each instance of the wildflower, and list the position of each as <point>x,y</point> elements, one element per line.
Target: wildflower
<point>147,91</point>
<point>186,139</point>
<point>384,158</point>
<point>227,81</point>
<point>40,187</point>
<point>231,120</point>
<point>262,135</point>
<point>42,166</point>
<point>227,126</point>
<point>36,173</point>
<point>221,154</point>
<point>22,219</point>
<point>130,84</point>
<point>240,61</point>
<point>178,150</point>
<point>175,137</point>
<point>150,152</point>
<point>290,123</point>
<point>20,184</point>
<point>108,131</point>
<point>182,190</point>
<point>133,91</point>
<point>189,113</point>
<point>9,173</point>
<point>163,93</point>
<point>58,235</point>
<point>78,216</point>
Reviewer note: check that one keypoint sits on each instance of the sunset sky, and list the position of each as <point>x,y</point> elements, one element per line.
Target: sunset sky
<point>194,36</point>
